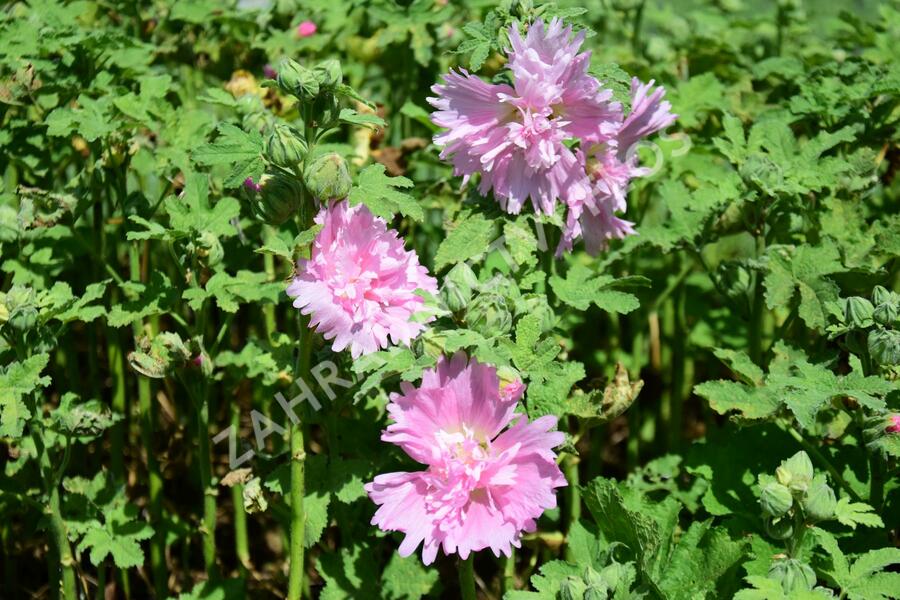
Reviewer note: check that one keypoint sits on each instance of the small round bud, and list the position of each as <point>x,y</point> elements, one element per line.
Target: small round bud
<point>328,177</point>
<point>306,29</point>
<point>326,109</point>
<point>819,502</point>
<point>886,314</point>
<point>881,295</point>
<point>884,346</point>
<point>329,74</point>
<point>489,314</point>
<point>21,308</point>
<point>775,499</point>
<point>278,199</point>
<point>285,147</point>
<point>796,473</point>
<point>794,576</point>
<point>858,312</point>
<point>779,528</point>
<point>458,287</point>
<point>294,78</point>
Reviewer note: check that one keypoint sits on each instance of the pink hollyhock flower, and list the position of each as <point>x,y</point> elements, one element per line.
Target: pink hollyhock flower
<point>360,283</point>
<point>513,136</point>
<point>610,167</point>
<point>306,29</point>
<point>490,473</point>
<point>894,427</point>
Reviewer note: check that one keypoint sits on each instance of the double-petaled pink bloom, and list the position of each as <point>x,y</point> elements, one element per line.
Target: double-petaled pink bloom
<point>489,472</point>
<point>360,283</point>
<point>520,138</point>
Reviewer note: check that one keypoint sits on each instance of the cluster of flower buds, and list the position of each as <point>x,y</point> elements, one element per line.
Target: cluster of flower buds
<point>794,499</point>
<point>295,170</point>
<point>490,307</point>
<point>872,327</point>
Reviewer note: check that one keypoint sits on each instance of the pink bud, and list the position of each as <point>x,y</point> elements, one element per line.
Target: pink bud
<point>252,186</point>
<point>306,29</point>
<point>512,390</point>
<point>894,427</point>
<point>270,72</point>
<point>197,360</point>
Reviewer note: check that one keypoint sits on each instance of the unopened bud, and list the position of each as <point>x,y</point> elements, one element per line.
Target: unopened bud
<point>794,576</point>
<point>459,285</point>
<point>884,346</point>
<point>285,147</point>
<point>489,315</point>
<point>819,502</point>
<point>294,78</point>
<point>328,178</point>
<point>278,200</point>
<point>796,473</point>
<point>858,312</point>
<point>21,308</point>
<point>775,499</point>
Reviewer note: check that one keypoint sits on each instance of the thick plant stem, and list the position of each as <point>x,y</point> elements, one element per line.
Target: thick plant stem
<point>241,543</point>
<point>209,493</point>
<point>298,450</point>
<point>573,494</point>
<point>64,551</point>
<point>64,563</point>
<point>876,481</point>
<point>467,578</point>
<point>758,310</point>
<point>148,426</point>
<point>509,571</point>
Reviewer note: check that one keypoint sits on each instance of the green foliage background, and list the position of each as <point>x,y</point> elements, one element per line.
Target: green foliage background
<point>755,316</point>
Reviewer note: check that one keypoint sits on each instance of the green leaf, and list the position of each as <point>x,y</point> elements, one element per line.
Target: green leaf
<point>234,147</point>
<point>230,291</point>
<point>380,193</point>
<point>18,380</point>
<point>348,115</point>
<point>470,237</point>
<point>803,271</point>
<point>852,514</point>
<point>407,579</point>
<point>581,288</point>
<point>154,298</point>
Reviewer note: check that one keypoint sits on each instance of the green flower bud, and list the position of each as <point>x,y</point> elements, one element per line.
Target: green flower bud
<point>779,528</point>
<point>858,312</point>
<point>887,313</point>
<point>328,177</point>
<point>796,473</point>
<point>489,315</point>
<point>819,502</point>
<point>884,346</point>
<point>881,295</point>
<point>293,78</point>
<point>328,74</point>
<point>794,576</point>
<point>21,308</point>
<point>775,499</point>
<point>596,593</point>
<point>458,287</point>
<point>285,147</point>
<point>278,199</point>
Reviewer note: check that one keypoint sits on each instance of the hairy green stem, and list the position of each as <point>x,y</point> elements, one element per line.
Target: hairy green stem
<point>573,494</point>
<point>241,542</point>
<point>208,528</point>
<point>509,571</point>
<point>467,578</point>
<point>148,426</point>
